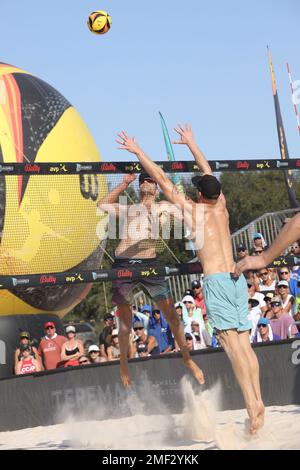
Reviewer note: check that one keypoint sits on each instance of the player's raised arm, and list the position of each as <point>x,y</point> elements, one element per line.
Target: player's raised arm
<point>289,234</point>
<point>154,170</point>
<point>187,138</point>
<point>109,202</point>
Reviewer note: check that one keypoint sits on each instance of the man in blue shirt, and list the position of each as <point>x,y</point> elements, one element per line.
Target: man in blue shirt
<point>159,328</point>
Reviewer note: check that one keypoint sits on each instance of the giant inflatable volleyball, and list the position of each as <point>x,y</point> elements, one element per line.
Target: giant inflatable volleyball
<point>47,223</point>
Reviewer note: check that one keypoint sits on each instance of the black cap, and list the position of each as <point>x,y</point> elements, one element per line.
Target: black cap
<point>196,283</point>
<point>144,176</point>
<point>188,292</point>
<point>253,302</point>
<point>188,336</point>
<point>108,316</point>
<point>241,247</point>
<point>208,185</point>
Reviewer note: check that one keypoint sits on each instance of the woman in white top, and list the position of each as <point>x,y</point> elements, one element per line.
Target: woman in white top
<point>286,298</point>
<point>266,283</point>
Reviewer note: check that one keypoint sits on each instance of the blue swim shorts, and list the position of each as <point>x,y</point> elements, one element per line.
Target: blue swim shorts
<point>226,300</point>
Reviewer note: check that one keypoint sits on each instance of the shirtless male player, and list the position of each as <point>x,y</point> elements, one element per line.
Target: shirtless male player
<point>226,296</point>
<point>137,248</point>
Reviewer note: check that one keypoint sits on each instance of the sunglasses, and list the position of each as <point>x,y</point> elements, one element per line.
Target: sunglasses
<point>189,339</point>
<point>94,352</point>
<point>139,328</point>
<point>50,327</point>
<point>282,287</point>
<point>83,362</point>
<point>284,272</point>
<point>262,326</point>
<point>264,274</point>
<point>149,180</point>
<point>275,304</point>
<point>188,302</point>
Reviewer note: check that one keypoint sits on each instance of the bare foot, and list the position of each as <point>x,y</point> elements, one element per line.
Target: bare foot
<point>124,376</point>
<point>196,371</point>
<point>257,417</point>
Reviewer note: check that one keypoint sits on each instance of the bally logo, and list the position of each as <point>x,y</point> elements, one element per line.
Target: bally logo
<point>243,165</point>
<point>124,273</point>
<point>47,279</point>
<point>32,168</point>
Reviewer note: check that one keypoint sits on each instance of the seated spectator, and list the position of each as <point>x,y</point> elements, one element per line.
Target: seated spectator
<point>192,313</point>
<point>105,335</point>
<point>253,294</point>
<point>264,332</point>
<point>198,296</point>
<point>142,345</point>
<point>267,312</point>
<point>27,363</point>
<point>254,315</point>
<point>242,251</point>
<point>266,283</point>
<point>259,241</point>
<point>287,300</point>
<point>282,324</point>
<point>296,316</point>
<point>159,328</point>
<point>189,342</point>
<point>25,339</point>
<point>50,346</point>
<point>113,351</point>
<point>143,316</point>
<point>72,349</point>
<point>179,310</point>
<point>257,251</point>
<point>83,361</point>
<point>201,338</point>
<point>94,355</point>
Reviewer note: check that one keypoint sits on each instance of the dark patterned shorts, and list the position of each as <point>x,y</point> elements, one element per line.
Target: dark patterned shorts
<point>158,289</point>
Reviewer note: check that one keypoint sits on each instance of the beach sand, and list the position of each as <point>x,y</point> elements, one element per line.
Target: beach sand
<point>199,426</point>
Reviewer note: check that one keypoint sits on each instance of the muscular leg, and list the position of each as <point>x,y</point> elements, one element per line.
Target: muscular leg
<point>168,309</point>
<point>244,366</point>
<point>125,317</point>
<point>254,374</point>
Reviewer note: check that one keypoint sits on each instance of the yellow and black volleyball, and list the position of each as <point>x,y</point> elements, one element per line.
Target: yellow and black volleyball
<point>48,223</point>
<point>99,22</point>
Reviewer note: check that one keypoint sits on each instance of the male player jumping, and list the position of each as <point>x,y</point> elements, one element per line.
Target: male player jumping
<point>225,295</point>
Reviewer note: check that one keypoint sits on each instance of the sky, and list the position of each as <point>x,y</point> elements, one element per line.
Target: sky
<point>199,61</point>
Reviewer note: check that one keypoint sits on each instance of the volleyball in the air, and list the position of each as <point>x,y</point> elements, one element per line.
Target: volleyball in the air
<point>99,22</point>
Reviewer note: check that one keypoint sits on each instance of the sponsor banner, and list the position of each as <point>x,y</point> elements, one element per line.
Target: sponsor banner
<point>130,273</point>
<point>135,167</point>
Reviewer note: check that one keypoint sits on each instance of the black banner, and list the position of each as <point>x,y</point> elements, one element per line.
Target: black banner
<point>67,168</point>
<point>129,274</point>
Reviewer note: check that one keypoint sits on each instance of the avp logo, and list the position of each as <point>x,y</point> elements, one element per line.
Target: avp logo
<point>296,353</point>
<point>2,352</point>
